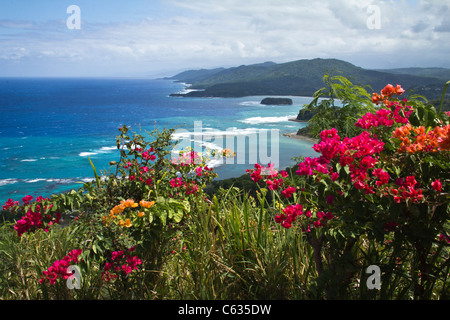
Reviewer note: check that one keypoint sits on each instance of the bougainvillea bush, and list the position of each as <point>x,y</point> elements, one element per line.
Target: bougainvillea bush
<point>377,195</point>
<point>139,206</point>
<point>377,198</point>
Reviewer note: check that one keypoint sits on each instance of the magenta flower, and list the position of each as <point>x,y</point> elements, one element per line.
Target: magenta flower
<point>288,192</point>
<point>437,185</point>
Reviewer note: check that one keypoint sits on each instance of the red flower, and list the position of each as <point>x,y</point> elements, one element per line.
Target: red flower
<point>175,183</point>
<point>437,185</point>
<point>275,184</point>
<point>289,215</point>
<point>10,203</point>
<point>59,268</point>
<point>27,199</point>
<point>287,193</point>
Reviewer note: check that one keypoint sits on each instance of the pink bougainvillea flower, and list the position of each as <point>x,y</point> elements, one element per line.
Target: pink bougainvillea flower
<point>274,184</point>
<point>59,268</point>
<point>437,185</point>
<point>289,214</point>
<point>334,176</point>
<point>175,183</point>
<point>382,175</point>
<point>199,171</point>
<point>284,173</point>
<point>10,204</point>
<point>288,192</point>
<point>27,199</point>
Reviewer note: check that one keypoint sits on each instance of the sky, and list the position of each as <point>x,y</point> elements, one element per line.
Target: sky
<point>156,38</point>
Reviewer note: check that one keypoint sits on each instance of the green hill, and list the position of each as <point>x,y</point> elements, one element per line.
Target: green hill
<point>440,73</point>
<point>302,78</point>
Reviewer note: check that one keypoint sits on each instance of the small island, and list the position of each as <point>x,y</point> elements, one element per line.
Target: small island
<point>276,101</point>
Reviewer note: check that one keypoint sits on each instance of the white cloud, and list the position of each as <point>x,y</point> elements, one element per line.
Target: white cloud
<point>233,32</point>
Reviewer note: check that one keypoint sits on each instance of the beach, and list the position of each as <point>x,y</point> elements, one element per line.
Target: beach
<point>294,135</point>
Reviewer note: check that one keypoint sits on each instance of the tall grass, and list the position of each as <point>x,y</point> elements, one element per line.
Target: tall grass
<point>234,250</point>
<point>24,259</point>
<point>230,248</point>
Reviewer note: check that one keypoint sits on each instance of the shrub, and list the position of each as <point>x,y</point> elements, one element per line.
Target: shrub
<point>379,197</point>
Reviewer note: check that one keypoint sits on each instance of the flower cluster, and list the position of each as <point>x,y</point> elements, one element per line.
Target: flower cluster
<point>140,171</point>
<point>395,111</point>
<point>36,218</point>
<point>188,187</point>
<point>363,157</point>
<point>359,153</point>
<point>273,178</point>
<point>322,218</point>
<point>187,158</point>
<point>437,185</point>
<point>419,139</point>
<point>386,93</point>
<point>291,212</point>
<point>120,263</point>
<point>59,268</point>
<point>115,213</point>
<point>289,215</point>
<point>406,190</point>
<point>192,171</point>
<point>10,204</point>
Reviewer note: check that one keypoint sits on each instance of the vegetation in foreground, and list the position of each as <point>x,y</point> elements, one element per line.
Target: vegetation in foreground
<point>377,195</point>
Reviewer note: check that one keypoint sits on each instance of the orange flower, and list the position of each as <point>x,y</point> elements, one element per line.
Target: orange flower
<point>432,141</point>
<point>420,130</point>
<point>376,98</point>
<point>402,131</point>
<point>398,90</point>
<point>129,203</point>
<point>117,209</point>
<point>146,204</point>
<point>140,214</point>
<point>443,140</point>
<point>388,91</point>
<point>127,223</point>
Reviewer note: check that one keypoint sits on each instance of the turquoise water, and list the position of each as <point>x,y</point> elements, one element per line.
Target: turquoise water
<point>49,128</point>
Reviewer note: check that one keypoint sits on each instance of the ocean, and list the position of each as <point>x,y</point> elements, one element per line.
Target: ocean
<point>50,127</point>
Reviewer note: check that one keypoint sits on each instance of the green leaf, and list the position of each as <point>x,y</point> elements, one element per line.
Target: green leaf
<point>414,119</point>
<point>97,179</point>
<point>162,214</point>
<point>178,216</point>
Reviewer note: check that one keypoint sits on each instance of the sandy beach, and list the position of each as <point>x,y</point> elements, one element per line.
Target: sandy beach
<point>294,135</point>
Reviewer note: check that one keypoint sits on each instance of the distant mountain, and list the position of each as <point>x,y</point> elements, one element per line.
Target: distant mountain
<point>192,76</point>
<point>440,73</point>
<point>303,78</point>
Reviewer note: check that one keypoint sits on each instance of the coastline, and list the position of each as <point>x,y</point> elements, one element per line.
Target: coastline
<point>294,135</point>
<point>296,120</point>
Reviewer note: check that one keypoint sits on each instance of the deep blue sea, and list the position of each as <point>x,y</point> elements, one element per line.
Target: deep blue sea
<point>49,128</point>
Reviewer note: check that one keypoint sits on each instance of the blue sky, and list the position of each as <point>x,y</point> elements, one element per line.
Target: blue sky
<point>151,38</point>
